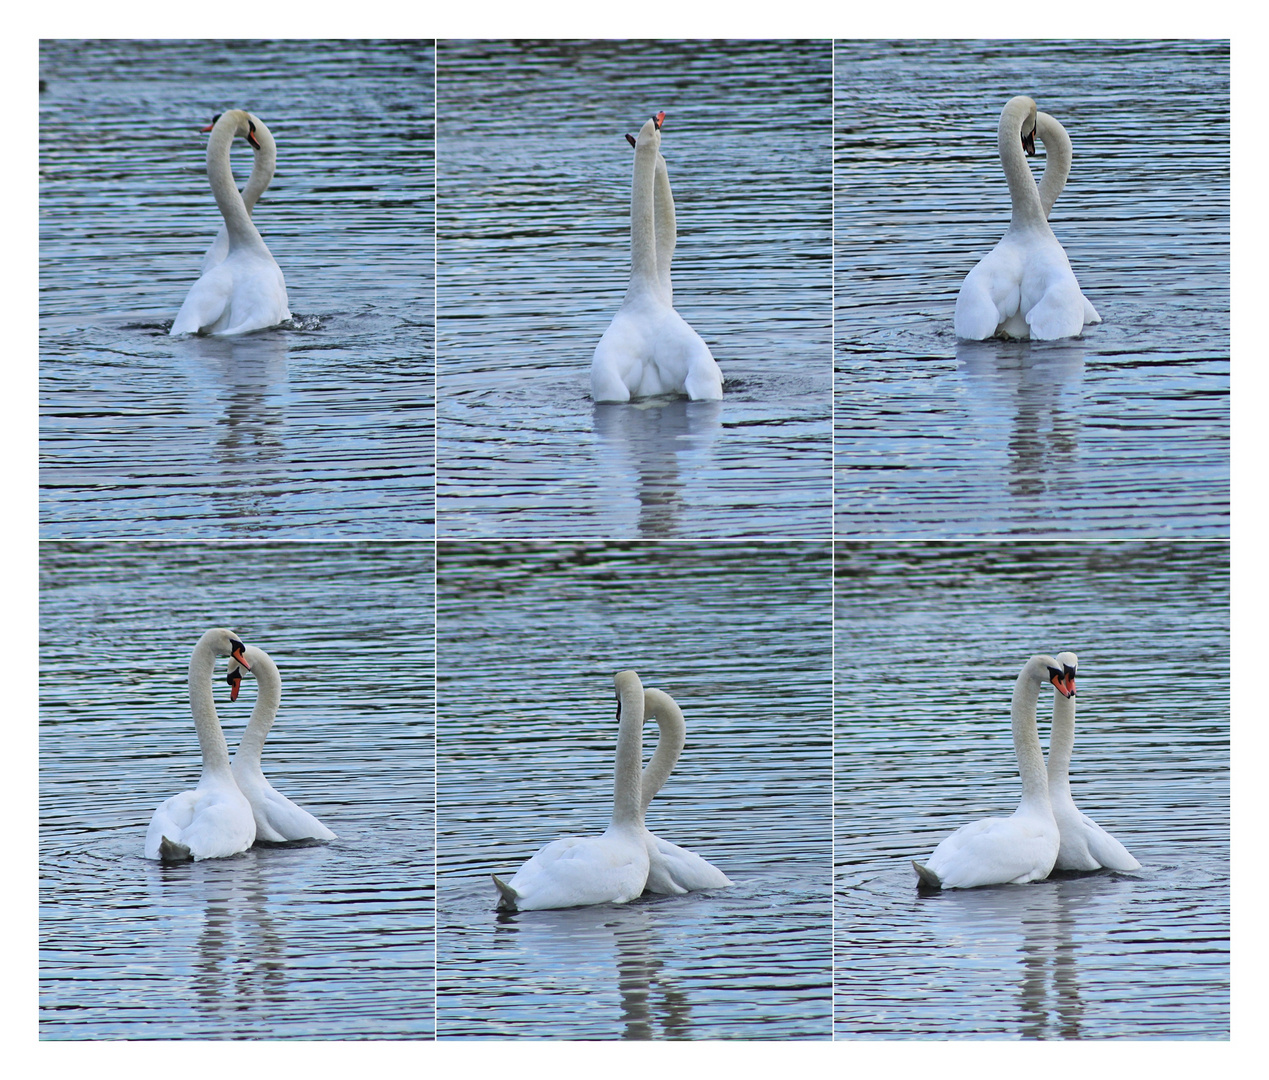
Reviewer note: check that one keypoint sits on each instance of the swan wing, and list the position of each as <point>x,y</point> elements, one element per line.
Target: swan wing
<point>673,870</point>
<point>279,820</point>
<point>996,851</point>
<point>212,821</point>
<point>576,871</point>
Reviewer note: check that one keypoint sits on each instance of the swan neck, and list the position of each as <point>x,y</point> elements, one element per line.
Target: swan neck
<point>211,739</point>
<point>1061,742</point>
<point>268,698</point>
<point>1057,160</point>
<point>643,252</point>
<point>665,227</point>
<point>627,805</point>
<point>263,166</point>
<point>1026,739</point>
<point>1023,194</point>
<point>672,735</point>
<point>221,177</point>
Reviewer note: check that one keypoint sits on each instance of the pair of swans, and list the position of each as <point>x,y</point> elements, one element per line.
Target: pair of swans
<point>1046,832</point>
<point>627,859</point>
<point>233,805</point>
<point>1025,286</point>
<point>241,286</point>
<point>649,349</point>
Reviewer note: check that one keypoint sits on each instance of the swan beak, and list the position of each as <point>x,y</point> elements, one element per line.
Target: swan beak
<point>208,127</point>
<point>1028,143</point>
<point>251,138</point>
<point>1060,684</point>
<point>1070,683</point>
<point>236,651</point>
<point>660,119</point>
<point>234,679</point>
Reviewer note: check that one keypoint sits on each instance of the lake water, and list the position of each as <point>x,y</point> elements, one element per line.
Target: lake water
<point>1123,432</point>
<point>930,639</point>
<point>323,427</point>
<point>533,257</point>
<point>529,638</point>
<point>329,941</point>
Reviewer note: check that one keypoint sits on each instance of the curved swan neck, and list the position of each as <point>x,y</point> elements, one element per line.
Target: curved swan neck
<point>221,177</point>
<point>627,807</point>
<point>1062,734</point>
<point>643,252</point>
<point>1026,734</point>
<point>665,227</point>
<point>1057,163</point>
<point>268,698</point>
<point>211,740</point>
<point>671,739</point>
<point>1016,121</point>
<point>263,165</point>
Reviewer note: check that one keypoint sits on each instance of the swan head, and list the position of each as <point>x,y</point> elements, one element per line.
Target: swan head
<point>650,133</point>
<point>1069,662</point>
<point>1018,118</point>
<point>629,693</point>
<point>242,122</point>
<point>1048,669</point>
<point>224,642</point>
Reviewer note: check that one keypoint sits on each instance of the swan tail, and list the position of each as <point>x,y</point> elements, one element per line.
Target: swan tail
<point>928,877</point>
<point>507,896</point>
<point>172,851</point>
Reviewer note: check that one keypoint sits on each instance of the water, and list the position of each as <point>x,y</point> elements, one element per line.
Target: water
<point>1123,432</point>
<point>330,941</point>
<point>321,428</point>
<point>534,257</point>
<point>529,639</point>
<point>930,639</point>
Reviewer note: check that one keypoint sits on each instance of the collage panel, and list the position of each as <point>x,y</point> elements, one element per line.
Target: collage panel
<point>278,381</point>
<point>1121,431</point>
<point>938,702</point>
<point>536,643</point>
<point>305,935</point>
<point>545,236</point>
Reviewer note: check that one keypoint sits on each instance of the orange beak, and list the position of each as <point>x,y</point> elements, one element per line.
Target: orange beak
<point>235,684</point>
<point>237,653</point>
<point>660,119</point>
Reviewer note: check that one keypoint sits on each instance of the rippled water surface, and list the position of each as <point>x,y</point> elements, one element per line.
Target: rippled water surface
<point>327,941</point>
<point>321,427</point>
<point>930,640</point>
<point>534,258</point>
<point>1122,432</point>
<point>529,639</point>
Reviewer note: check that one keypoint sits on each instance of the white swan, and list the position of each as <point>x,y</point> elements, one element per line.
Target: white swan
<point>1024,286</point>
<point>213,820</point>
<point>1085,845</point>
<point>611,868</point>
<point>246,291</point>
<point>263,165</point>
<point>649,348</point>
<point>671,869</point>
<point>277,818</point>
<point>1015,849</point>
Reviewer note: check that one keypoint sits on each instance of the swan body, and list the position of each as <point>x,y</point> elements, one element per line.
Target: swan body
<point>671,869</point>
<point>246,290</point>
<point>214,820</point>
<point>648,348</point>
<point>1024,287</point>
<point>263,166</point>
<point>609,869</point>
<point>1016,849</point>
<point>1084,845</point>
<point>277,818</point>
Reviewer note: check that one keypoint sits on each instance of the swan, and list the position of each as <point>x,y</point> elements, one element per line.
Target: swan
<point>263,166</point>
<point>649,348</point>
<point>1024,286</point>
<point>1085,845</point>
<point>246,291</point>
<point>1015,849</point>
<point>213,820</point>
<point>671,869</point>
<point>277,818</point>
<point>611,868</point>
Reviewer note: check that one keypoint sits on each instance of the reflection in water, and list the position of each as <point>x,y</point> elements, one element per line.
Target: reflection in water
<point>653,437</point>
<point>651,1003</point>
<point>1033,394</point>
